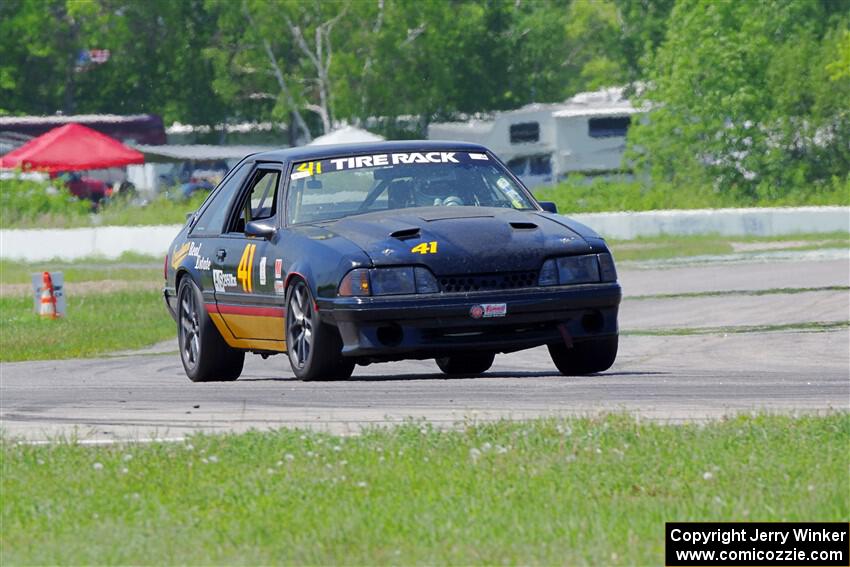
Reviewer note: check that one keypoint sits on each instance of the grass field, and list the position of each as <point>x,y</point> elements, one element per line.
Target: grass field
<point>103,316</point>
<point>664,247</point>
<point>95,324</point>
<point>809,327</point>
<point>748,292</point>
<point>128,268</point>
<point>580,491</point>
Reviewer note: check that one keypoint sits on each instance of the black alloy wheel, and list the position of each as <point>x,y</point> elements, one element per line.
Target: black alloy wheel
<point>205,355</point>
<point>314,347</point>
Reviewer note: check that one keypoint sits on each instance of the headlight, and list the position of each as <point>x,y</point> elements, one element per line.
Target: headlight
<point>388,281</point>
<point>548,273</point>
<point>607,270</point>
<point>392,281</point>
<point>425,281</point>
<point>570,270</point>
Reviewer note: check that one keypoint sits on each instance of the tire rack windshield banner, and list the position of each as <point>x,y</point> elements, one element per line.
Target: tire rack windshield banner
<point>310,168</point>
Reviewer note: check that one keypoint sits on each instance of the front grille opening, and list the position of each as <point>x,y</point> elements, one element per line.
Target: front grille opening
<point>491,332</point>
<point>488,282</point>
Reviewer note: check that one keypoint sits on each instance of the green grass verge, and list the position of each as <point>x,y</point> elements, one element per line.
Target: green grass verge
<point>747,292</point>
<point>95,324</point>
<point>588,195</point>
<point>129,267</point>
<point>664,247</point>
<point>580,491</point>
<point>814,326</point>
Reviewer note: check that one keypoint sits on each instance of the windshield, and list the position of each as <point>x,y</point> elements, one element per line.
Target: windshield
<point>343,186</point>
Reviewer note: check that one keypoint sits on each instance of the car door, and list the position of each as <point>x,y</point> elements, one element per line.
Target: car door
<point>207,226</point>
<point>244,291</point>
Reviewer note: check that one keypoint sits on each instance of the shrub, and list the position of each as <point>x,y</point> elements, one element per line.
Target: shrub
<point>580,194</point>
<point>35,203</point>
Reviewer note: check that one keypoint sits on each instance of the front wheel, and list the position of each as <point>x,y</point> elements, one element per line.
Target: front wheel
<point>314,348</point>
<point>585,357</point>
<point>205,355</point>
<point>466,363</point>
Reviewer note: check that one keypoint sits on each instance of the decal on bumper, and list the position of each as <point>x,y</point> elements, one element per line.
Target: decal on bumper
<point>488,310</point>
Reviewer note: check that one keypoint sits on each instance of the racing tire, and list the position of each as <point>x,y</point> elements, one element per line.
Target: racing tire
<point>205,355</point>
<point>314,348</point>
<point>469,363</point>
<point>585,357</point>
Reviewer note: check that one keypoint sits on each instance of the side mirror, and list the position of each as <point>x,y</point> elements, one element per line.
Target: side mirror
<point>260,229</point>
<point>549,206</point>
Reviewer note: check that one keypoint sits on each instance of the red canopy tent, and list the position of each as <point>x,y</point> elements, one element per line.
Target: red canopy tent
<point>72,147</point>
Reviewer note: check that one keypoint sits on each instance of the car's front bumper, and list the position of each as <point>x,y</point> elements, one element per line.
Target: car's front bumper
<point>425,326</point>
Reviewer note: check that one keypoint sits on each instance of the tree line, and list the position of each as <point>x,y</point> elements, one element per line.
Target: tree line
<point>742,94</point>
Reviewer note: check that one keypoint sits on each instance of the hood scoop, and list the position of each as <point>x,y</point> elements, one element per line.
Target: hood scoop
<point>405,233</point>
<point>523,225</point>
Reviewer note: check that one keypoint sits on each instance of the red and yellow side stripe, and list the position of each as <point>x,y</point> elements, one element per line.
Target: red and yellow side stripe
<point>264,325</point>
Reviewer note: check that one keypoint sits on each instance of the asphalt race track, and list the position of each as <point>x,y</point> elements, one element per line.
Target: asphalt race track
<point>800,367</point>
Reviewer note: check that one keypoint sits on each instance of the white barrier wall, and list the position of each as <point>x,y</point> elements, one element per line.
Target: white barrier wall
<point>727,222</point>
<point>112,241</point>
<point>74,243</point>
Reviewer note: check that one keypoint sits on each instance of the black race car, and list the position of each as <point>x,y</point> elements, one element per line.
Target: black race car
<point>344,255</point>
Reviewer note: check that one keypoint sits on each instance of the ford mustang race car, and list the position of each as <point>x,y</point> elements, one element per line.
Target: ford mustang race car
<point>354,254</point>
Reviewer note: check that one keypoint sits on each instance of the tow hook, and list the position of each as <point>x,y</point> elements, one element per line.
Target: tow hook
<point>565,335</point>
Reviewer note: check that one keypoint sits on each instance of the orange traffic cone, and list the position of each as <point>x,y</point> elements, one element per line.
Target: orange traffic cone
<point>48,300</point>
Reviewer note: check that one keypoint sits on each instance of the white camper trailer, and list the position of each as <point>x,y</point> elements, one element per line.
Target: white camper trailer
<point>542,143</point>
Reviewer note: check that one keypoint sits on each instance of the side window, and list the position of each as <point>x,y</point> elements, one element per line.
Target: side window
<point>540,165</point>
<point>608,127</point>
<point>260,202</point>
<point>212,219</point>
<point>525,132</point>
<point>517,165</point>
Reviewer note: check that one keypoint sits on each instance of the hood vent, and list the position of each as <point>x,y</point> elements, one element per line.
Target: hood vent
<point>523,225</point>
<point>405,233</point>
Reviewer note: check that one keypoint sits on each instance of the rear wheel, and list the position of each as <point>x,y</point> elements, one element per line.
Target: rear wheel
<point>585,357</point>
<point>314,348</point>
<point>466,363</point>
<point>205,355</point>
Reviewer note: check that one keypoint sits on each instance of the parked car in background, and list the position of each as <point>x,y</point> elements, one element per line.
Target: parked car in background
<point>192,176</point>
<point>84,187</point>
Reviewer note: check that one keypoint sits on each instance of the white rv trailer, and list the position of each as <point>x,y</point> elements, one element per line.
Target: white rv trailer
<point>542,143</point>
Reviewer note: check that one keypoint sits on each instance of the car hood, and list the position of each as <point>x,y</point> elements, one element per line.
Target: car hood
<point>470,240</point>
